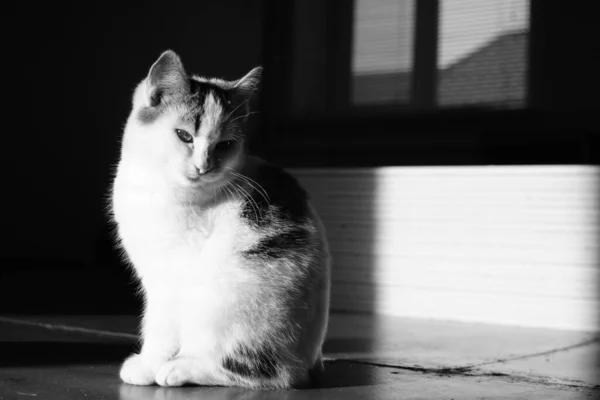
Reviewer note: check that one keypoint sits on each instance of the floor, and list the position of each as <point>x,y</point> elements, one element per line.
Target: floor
<point>77,357</point>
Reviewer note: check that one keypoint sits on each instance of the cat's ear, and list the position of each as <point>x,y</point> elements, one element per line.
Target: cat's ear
<point>166,77</point>
<point>245,88</point>
<point>250,83</point>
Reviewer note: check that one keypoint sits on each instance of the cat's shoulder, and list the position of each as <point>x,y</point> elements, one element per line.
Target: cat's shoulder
<point>279,192</point>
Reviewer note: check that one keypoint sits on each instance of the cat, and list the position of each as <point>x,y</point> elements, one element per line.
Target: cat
<point>232,260</point>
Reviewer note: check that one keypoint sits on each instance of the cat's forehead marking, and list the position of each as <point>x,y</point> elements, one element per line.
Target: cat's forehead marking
<point>201,90</point>
<point>204,99</point>
<point>211,115</point>
<point>209,101</point>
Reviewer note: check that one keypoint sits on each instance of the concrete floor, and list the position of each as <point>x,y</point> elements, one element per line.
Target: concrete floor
<point>77,357</point>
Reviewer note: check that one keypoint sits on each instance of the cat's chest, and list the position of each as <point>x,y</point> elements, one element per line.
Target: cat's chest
<point>161,235</point>
<point>154,218</point>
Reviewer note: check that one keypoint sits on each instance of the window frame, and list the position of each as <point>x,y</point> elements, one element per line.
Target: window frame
<point>545,132</point>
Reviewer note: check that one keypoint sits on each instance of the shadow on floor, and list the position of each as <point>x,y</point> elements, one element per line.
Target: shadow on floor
<point>37,354</point>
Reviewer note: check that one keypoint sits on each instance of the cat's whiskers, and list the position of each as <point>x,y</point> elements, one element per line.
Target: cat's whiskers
<point>259,191</point>
<point>226,190</point>
<point>230,184</point>
<point>230,195</point>
<point>236,189</point>
<point>247,195</point>
<point>219,191</point>
<point>252,183</point>
<point>257,186</point>
<point>242,116</point>
<point>234,110</point>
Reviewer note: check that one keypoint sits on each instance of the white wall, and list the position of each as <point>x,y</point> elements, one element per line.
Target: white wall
<point>510,245</point>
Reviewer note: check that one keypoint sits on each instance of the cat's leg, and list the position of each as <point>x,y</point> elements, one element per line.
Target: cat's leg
<point>159,344</point>
<point>183,370</point>
<point>253,368</point>
<point>198,361</point>
<point>194,362</point>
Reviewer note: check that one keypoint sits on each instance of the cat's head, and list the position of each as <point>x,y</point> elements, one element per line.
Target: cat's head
<point>188,126</point>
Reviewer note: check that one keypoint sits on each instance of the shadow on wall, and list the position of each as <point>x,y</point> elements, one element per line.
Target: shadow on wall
<point>345,201</point>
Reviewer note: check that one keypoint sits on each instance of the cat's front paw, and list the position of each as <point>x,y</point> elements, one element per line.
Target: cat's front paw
<point>137,371</point>
<point>178,372</point>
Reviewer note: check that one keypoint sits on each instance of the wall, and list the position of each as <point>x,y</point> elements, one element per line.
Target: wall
<point>501,244</point>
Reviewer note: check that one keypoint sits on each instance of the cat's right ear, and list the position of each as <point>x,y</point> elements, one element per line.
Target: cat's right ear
<point>250,82</point>
<point>167,77</point>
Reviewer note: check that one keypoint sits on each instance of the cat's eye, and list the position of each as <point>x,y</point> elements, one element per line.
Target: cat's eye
<point>184,136</point>
<point>225,145</point>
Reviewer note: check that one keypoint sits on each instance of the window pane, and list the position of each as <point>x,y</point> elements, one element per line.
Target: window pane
<point>382,51</point>
<point>482,50</point>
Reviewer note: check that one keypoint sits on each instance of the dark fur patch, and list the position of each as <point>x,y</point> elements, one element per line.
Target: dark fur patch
<point>287,200</point>
<point>195,101</point>
<point>156,98</point>
<point>252,363</point>
<point>280,245</point>
<point>197,121</point>
<point>201,89</point>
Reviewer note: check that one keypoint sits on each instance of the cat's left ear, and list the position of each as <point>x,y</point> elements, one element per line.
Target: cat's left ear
<point>250,83</point>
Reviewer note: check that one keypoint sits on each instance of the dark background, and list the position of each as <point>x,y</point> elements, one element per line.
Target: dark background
<point>69,74</point>
<point>69,71</point>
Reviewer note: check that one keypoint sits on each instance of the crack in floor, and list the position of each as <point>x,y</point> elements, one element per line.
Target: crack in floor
<point>472,372</point>
<point>588,342</point>
<point>471,369</point>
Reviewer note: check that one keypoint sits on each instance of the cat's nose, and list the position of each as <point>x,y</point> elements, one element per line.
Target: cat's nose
<point>204,169</point>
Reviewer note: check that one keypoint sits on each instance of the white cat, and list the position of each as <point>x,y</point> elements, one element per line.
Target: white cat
<point>232,260</point>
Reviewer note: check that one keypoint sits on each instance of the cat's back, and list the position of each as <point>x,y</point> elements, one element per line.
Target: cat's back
<point>276,196</point>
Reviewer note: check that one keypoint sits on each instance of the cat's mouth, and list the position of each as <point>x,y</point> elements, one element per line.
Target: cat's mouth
<point>196,179</point>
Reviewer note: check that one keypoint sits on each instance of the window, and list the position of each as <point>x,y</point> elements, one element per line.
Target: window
<point>428,82</point>
<point>382,59</point>
<point>481,52</point>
